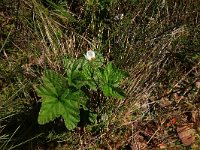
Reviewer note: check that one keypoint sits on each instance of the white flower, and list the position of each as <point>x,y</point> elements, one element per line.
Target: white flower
<point>90,55</point>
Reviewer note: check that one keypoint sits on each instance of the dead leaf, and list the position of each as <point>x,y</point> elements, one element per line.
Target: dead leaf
<point>162,146</point>
<point>164,102</point>
<point>198,84</point>
<point>195,116</point>
<point>171,122</point>
<point>186,135</point>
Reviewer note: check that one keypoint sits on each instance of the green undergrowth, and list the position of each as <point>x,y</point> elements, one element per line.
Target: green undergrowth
<point>156,42</point>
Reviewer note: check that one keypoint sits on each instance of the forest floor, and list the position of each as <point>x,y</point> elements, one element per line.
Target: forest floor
<point>156,42</point>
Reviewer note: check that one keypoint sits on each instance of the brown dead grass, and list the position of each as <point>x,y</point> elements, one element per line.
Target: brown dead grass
<point>156,42</point>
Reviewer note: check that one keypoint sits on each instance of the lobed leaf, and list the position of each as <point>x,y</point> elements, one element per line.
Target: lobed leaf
<point>59,100</point>
<point>111,78</point>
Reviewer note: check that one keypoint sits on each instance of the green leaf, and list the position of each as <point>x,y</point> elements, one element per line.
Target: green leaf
<point>92,117</point>
<point>89,77</point>
<point>59,100</point>
<point>111,78</point>
<point>113,75</point>
<point>114,92</point>
<point>73,69</point>
<point>53,84</point>
<point>107,90</point>
<point>81,72</point>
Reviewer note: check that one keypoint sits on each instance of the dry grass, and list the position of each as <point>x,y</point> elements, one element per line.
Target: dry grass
<point>157,42</point>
